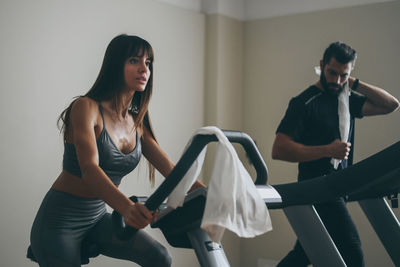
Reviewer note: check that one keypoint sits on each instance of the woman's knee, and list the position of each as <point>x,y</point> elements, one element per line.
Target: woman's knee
<point>162,258</point>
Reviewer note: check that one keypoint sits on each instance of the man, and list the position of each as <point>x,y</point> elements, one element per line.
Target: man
<point>317,131</point>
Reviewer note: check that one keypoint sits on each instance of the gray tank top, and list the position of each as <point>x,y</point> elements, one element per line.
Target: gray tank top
<point>111,160</point>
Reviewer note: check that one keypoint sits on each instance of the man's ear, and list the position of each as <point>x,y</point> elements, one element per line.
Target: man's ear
<point>321,65</point>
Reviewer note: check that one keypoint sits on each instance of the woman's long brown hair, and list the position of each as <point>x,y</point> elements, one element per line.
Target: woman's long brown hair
<point>110,83</point>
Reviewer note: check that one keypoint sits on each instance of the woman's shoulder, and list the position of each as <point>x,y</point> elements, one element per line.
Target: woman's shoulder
<point>84,102</point>
<point>84,106</point>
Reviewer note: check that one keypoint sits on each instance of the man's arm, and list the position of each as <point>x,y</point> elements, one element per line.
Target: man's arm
<point>378,100</point>
<point>285,148</point>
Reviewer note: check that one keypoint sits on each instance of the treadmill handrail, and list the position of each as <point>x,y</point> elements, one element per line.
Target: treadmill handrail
<point>199,141</point>
<point>356,178</point>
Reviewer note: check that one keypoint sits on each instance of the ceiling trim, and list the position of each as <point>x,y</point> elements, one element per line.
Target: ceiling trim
<point>262,9</point>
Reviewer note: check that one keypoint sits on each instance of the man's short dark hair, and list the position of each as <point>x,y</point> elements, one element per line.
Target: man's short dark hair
<point>341,52</point>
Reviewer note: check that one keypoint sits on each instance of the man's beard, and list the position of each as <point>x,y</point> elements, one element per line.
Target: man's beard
<point>331,88</point>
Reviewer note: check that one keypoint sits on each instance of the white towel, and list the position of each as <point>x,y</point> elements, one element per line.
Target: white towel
<point>344,115</point>
<point>232,198</point>
<point>344,119</point>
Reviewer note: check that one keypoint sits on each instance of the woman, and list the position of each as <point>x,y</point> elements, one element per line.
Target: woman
<point>105,133</point>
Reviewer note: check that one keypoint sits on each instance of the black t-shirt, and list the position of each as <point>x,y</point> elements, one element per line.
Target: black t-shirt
<point>312,119</point>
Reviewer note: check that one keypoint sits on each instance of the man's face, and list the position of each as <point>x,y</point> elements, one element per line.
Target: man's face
<point>334,75</point>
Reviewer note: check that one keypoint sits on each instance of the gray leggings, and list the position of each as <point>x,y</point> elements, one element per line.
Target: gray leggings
<point>68,229</point>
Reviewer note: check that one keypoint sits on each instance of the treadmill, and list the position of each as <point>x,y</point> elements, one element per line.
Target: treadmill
<point>181,227</point>
<point>368,182</point>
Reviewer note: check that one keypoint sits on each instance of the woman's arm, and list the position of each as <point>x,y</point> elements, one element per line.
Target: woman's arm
<point>83,119</point>
<point>158,158</point>
<point>154,154</point>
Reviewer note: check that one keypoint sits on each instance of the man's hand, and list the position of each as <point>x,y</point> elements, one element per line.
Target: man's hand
<point>339,149</point>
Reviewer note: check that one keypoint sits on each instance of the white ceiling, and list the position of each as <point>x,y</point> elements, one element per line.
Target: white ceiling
<point>259,9</point>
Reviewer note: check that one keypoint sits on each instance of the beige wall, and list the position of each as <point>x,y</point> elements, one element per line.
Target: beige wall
<point>223,94</point>
<point>278,61</point>
<point>50,52</point>
<point>224,72</point>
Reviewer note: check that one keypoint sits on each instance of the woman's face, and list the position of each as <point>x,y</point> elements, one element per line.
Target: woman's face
<point>137,72</point>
